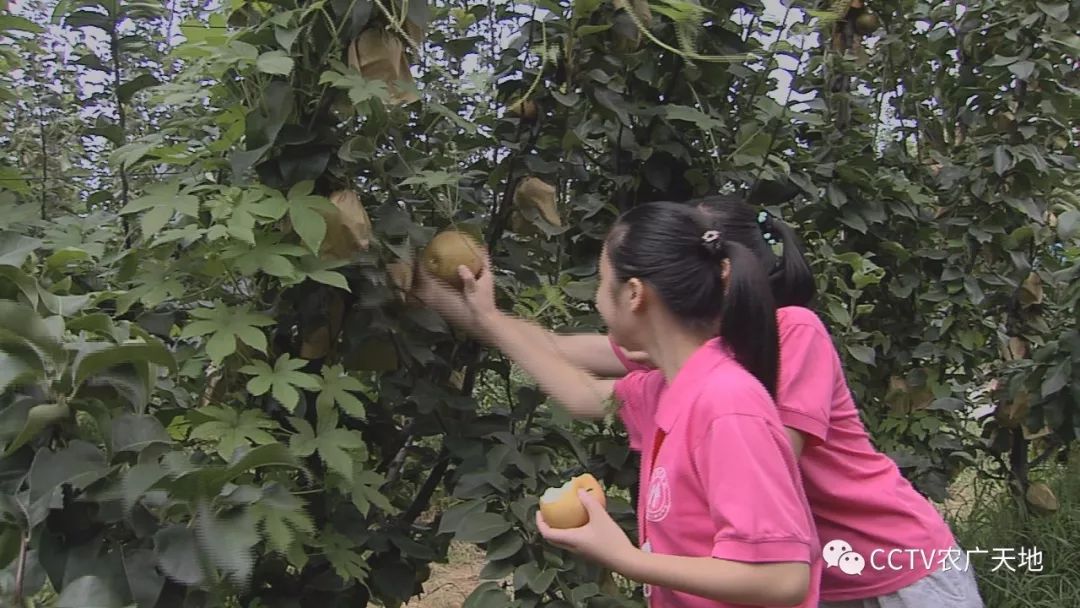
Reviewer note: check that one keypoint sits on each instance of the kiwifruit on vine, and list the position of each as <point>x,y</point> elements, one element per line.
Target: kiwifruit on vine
<point>447,251</point>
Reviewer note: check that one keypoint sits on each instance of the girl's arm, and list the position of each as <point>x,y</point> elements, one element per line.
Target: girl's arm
<point>591,352</point>
<point>768,584</point>
<point>582,394</point>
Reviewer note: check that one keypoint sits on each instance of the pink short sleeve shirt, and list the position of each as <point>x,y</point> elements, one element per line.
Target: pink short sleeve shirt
<point>724,482</point>
<point>860,501</point>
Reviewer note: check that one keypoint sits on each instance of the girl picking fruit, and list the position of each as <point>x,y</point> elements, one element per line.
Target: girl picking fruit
<point>723,520</point>
<point>858,495</point>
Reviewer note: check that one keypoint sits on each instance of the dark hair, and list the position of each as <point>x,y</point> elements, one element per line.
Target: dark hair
<point>790,277</point>
<point>679,251</point>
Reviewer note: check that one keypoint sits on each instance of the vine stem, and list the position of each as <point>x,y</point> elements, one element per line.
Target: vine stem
<point>20,572</point>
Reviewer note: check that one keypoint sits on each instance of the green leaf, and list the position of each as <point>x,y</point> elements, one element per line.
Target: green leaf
<point>865,354</point>
<point>336,384</point>
<point>455,516</point>
<point>365,492</point>
<point>694,115</point>
<point>532,576</point>
<point>280,380</point>
<point>1023,69</point>
<point>138,480</point>
<point>360,90</point>
<point>128,90</point>
<point>159,204</point>
<point>90,592</point>
<point>134,433</point>
<point>1057,10</point>
<point>230,429</point>
<point>487,595</point>
<point>309,224</point>
<point>229,540</point>
<point>505,546</point>
<point>1069,225</point>
<point>109,356</point>
<point>15,248</point>
<point>586,30</point>
<point>336,446</point>
<point>38,419</point>
<point>280,516</point>
<point>23,331</point>
<point>1057,378</point>
<point>271,455</point>
<point>16,370</point>
<point>225,324</point>
<point>481,528</point>
<point>14,23</point>
<point>340,551</point>
<point>177,555</point>
<point>275,62</point>
<point>78,464</point>
<point>331,278</point>
<point>286,37</point>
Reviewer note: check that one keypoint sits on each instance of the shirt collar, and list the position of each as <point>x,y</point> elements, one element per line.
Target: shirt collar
<point>688,382</point>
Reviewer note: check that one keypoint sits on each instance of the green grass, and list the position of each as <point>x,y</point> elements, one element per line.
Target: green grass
<point>994,520</point>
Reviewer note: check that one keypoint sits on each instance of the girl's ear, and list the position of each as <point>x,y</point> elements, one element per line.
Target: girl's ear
<point>636,290</point>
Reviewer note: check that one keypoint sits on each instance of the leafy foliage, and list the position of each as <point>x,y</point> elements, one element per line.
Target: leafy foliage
<point>201,402</point>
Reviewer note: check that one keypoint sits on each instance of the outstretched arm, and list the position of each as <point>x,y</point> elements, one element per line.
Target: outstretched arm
<point>591,352</point>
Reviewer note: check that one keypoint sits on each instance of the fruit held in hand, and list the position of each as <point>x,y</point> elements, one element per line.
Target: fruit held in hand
<point>561,507</point>
<point>448,250</point>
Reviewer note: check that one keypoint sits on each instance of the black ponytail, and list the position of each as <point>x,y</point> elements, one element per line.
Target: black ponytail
<point>790,277</point>
<point>684,254</point>
<point>748,322</point>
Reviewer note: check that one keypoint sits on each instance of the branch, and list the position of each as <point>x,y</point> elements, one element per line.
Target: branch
<point>121,117</point>
<point>423,497</point>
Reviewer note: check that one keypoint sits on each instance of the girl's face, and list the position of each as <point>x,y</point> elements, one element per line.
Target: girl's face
<point>616,303</point>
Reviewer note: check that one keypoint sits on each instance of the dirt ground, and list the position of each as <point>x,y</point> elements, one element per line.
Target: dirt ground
<point>452,582</point>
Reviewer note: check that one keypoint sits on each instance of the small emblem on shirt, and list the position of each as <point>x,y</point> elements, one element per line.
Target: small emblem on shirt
<point>659,496</point>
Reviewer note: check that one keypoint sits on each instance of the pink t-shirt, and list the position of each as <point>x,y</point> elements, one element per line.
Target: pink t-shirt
<point>726,483</point>
<point>858,496</point>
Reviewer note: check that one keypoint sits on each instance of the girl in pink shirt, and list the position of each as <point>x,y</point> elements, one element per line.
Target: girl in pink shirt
<point>885,545</point>
<point>723,519</point>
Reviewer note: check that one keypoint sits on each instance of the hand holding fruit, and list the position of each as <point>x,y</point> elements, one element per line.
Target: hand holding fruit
<point>438,282</point>
<point>574,517</point>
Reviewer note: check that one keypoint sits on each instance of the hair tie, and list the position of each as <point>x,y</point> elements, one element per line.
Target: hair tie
<point>712,241</point>
<point>766,226</point>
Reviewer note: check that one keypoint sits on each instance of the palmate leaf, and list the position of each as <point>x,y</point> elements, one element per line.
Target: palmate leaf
<point>336,387</point>
<point>159,204</point>
<point>281,515</point>
<point>365,492</point>
<point>337,447</point>
<point>281,380</point>
<point>340,551</point>
<point>228,540</point>
<point>306,213</point>
<point>225,324</point>
<point>230,429</point>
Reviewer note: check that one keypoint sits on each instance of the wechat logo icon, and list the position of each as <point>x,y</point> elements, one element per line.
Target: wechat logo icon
<point>839,554</point>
